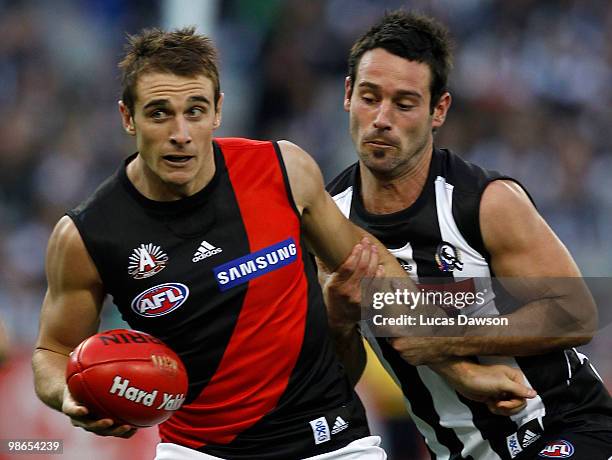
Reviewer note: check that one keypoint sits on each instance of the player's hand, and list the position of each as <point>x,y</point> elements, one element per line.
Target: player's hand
<point>500,387</point>
<point>79,416</point>
<point>342,291</point>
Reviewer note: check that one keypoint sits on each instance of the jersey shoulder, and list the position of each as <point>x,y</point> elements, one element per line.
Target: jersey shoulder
<point>343,181</point>
<point>104,196</point>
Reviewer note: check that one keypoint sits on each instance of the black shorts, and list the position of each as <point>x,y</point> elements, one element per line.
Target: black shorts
<point>567,443</point>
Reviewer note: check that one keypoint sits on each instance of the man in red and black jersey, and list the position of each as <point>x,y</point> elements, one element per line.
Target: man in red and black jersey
<point>221,226</point>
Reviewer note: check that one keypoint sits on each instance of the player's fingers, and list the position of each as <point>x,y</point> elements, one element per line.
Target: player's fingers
<point>123,431</point>
<point>105,427</point>
<point>71,407</point>
<point>346,269</point>
<point>363,262</point>
<point>129,433</point>
<point>507,407</point>
<point>513,385</point>
<point>74,410</point>
<point>373,262</point>
<point>511,404</point>
<point>92,425</point>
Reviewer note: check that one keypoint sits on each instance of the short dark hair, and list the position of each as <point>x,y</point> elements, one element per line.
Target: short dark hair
<point>180,52</point>
<point>413,37</point>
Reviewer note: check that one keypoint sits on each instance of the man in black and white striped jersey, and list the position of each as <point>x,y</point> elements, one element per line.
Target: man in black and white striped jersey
<point>443,217</point>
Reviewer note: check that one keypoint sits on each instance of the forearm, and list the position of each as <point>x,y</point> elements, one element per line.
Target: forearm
<point>351,351</point>
<point>538,327</point>
<point>451,368</point>
<point>49,376</point>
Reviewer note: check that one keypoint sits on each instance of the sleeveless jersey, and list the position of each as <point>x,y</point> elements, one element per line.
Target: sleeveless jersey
<point>439,237</point>
<point>222,277</point>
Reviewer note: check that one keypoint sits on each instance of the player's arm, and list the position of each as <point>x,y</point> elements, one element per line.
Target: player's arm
<point>558,311</point>
<point>70,313</point>
<point>347,249</point>
<point>534,266</point>
<point>342,295</point>
<point>332,237</point>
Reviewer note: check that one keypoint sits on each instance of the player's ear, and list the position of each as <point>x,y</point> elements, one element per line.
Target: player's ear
<point>441,109</point>
<point>218,112</point>
<point>347,93</point>
<point>126,119</point>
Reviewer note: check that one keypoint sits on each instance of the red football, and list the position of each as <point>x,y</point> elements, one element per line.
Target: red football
<point>128,376</point>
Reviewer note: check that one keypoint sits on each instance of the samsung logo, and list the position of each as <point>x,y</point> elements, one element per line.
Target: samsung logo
<point>243,269</point>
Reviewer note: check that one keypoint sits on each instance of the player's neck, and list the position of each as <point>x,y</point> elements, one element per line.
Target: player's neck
<point>394,193</point>
<point>154,188</point>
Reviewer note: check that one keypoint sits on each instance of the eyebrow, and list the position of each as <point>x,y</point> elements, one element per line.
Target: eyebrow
<point>399,93</point>
<point>166,102</point>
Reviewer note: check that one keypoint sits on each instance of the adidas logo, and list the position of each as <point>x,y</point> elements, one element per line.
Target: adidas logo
<point>529,437</point>
<point>339,425</point>
<point>205,250</point>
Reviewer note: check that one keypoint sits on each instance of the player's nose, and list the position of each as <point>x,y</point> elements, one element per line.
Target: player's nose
<point>382,120</point>
<point>180,134</point>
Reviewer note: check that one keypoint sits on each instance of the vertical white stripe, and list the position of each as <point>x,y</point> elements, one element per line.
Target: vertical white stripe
<point>569,368</point>
<point>454,414</point>
<point>428,432</point>
<point>475,265</point>
<point>343,201</point>
<point>584,358</point>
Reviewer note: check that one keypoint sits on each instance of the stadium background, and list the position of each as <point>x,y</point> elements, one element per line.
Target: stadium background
<point>532,89</point>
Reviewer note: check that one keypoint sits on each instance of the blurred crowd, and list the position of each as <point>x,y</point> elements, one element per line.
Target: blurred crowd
<point>532,97</point>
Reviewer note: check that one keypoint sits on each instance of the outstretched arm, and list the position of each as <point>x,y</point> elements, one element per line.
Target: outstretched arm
<point>70,313</point>
<point>349,252</point>
<point>332,237</point>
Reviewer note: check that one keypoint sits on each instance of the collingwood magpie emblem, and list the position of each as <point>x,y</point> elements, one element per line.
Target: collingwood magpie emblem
<point>448,257</point>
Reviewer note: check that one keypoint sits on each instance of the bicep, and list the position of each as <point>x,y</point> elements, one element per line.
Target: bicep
<point>526,256</point>
<point>326,230</point>
<point>72,303</point>
<point>329,234</point>
<point>518,239</point>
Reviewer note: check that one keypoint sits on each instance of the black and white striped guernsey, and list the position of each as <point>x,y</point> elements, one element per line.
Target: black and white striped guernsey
<point>445,217</point>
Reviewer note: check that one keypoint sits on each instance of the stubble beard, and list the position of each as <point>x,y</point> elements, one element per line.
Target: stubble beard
<point>390,165</point>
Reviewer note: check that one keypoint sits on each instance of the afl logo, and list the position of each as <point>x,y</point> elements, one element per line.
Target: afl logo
<point>160,300</point>
<point>448,257</point>
<point>557,449</point>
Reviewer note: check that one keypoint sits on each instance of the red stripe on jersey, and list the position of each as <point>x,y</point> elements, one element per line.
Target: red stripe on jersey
<point>261,355</point>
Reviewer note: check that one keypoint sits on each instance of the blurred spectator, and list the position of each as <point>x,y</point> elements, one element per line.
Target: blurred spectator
<point>4,343</point>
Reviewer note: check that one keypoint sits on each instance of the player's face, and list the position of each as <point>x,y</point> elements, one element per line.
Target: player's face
<point>173,121</point>
<point>390,120</point>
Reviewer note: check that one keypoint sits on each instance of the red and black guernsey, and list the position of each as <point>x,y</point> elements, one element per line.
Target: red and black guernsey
<point>223,278</point>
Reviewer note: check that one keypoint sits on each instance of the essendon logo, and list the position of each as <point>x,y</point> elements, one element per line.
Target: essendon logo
<point>147,260</point>
<point>558,449</point>
<point>160,300</point>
